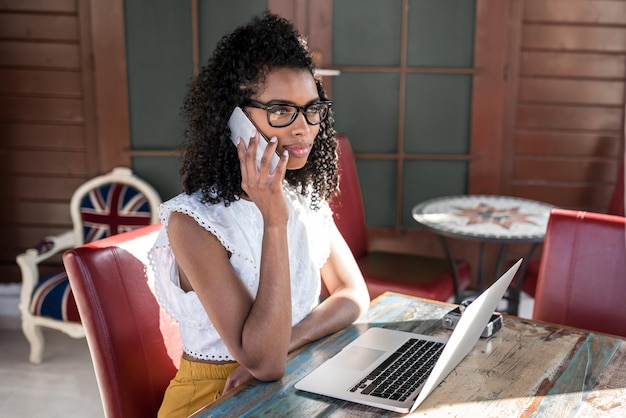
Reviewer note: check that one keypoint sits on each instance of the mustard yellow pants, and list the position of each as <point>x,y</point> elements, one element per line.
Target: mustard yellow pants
<point>194,386</point>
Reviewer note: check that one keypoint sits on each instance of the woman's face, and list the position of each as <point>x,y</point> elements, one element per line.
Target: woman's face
<point>288,86</point>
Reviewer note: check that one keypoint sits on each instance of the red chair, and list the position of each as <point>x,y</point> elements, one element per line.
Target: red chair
<point>616,207</point>
<point>135,346</point>
<point>582,279</point>
<point>415,275</point>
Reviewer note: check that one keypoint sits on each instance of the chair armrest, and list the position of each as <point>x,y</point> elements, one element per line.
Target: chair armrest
<point>48,247</point>
<point>30,259</point>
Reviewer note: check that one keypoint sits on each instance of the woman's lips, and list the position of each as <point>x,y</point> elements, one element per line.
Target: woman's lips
<point>298,150</point>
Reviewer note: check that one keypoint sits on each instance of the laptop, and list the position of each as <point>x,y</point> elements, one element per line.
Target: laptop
<point>357,372</point>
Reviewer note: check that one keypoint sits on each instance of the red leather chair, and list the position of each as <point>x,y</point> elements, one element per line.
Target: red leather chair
<point>415,275</point>
<point>134,345</point>
<point>582,278</point>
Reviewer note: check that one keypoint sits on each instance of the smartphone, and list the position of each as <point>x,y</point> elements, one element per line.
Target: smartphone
<point>242,127</point>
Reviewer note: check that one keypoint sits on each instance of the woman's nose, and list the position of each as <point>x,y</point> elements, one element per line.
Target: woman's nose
<point>300,125</point>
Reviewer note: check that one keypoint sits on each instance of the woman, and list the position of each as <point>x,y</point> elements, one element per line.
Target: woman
<point>239,260</point>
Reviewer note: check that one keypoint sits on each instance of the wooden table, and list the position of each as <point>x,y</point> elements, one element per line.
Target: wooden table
<point>526,369</point>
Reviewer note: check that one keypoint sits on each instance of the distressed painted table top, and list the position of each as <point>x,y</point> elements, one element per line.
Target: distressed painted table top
<point>527,369</point>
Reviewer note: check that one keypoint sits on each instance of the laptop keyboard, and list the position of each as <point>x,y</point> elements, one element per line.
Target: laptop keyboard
<point>403,371</point>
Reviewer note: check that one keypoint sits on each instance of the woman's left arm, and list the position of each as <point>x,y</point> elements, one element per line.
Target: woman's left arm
<point>348,299</point>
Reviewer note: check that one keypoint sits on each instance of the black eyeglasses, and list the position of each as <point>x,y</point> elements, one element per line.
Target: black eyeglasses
<point>280,115</point>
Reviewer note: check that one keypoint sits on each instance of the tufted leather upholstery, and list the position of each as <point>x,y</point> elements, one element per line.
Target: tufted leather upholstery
<point>582,278</point>
<point>410,274</point>
<point>135,346</point>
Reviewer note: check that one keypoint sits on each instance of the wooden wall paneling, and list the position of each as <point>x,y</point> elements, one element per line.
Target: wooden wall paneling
<point>29,26</point>
<point>511,75</point>
<point>609,12</point>
<point>585,118</point>
<point>20,81</point>
<point>564,91</point>
<point>42,109</point>
<point>38,6</point>
<point>48,188</point>
<point>320,40</point>
<point>92,144</point>
<point>566,170</point>
<point>29,212</point>
<point>39,55</point>
<point>313,19</point>
<point>575,38</point>
<point>566,114</point>
<point>488,92</point>
<point>24,236</point>
<point>572,64</point>
<point>47,162</point>
<point>27,135</point>
<point>591,197</point>
<point>45,116</point>
<point>110,82</point>
<point>567,143</point>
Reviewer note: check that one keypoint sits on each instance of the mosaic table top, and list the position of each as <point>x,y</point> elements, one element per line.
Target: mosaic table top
<point>485,217</point>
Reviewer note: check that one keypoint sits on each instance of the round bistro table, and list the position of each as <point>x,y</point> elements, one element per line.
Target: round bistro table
<point>487,218</point>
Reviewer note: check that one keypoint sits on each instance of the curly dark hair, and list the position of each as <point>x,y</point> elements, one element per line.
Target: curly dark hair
<point>238,67</point>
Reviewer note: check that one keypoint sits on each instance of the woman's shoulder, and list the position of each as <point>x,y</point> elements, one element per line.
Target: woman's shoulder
<point>203,212</point>
<point>183,199</point>
<point>185,203</point>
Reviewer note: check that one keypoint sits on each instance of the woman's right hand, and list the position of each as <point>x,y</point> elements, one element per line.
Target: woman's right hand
<point>238,377</point>
<point>263,187</point>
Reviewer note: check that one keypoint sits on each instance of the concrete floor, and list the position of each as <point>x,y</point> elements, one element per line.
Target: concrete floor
<point>63,385</point>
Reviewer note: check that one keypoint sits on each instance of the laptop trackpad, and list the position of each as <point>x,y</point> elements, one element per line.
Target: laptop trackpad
<point>356,358</point>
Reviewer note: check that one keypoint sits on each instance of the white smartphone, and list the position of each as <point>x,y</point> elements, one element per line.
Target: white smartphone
<point>242,127</point>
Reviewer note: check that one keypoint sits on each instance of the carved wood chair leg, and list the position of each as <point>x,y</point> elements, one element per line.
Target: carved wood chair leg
<point>35,338</point>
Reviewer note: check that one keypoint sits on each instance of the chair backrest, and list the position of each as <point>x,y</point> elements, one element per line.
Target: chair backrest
<point>616,207</point>
<point>135,346</point>
<point>347,206</point>
<point>109,204</point>
<point>582,277</point>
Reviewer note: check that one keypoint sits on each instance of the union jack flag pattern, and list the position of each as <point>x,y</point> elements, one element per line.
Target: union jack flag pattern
<point>53,298</point>
<point>112,209</point>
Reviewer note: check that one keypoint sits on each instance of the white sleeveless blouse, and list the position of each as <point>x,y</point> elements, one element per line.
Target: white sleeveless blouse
<point>239,227</point>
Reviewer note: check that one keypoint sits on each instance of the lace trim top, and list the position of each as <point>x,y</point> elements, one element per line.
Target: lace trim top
<point>239,227</point>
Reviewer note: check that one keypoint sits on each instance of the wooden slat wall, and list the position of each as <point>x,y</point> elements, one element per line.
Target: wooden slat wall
<point>45,151</point>
<point>566,134</point>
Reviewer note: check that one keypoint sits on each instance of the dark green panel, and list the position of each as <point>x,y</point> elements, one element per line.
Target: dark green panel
<point>366,109</point>
<point>378,179</point>
<point>367,32</point>
<point>427,179</point>
<point>438,111</point>
<point>441,33</point>
<point>218,18</point>
<point>161,173</point>
<point>159,56</point>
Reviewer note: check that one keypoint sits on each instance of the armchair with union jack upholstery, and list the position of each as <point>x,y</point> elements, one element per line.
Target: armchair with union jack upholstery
<point>106,205</point>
